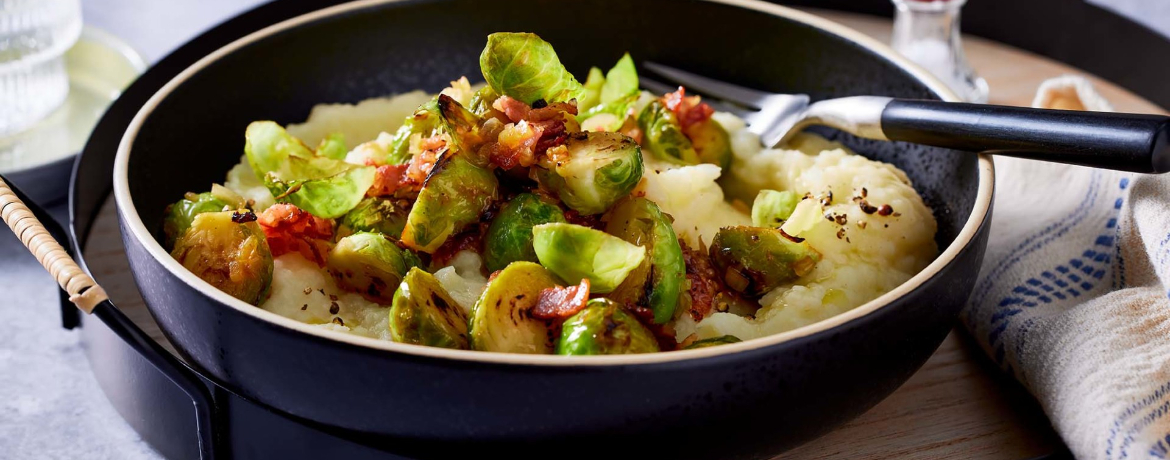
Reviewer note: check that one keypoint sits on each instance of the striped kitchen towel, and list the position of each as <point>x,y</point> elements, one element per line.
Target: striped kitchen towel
<point>1072,299</point>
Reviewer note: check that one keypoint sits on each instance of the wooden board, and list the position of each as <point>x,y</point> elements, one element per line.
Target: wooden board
<point>957,406</point>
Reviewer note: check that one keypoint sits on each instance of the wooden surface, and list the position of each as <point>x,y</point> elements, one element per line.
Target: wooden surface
<point>957,406</point>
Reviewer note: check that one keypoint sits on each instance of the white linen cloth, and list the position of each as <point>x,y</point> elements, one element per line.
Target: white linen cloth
<point>1072,298</point>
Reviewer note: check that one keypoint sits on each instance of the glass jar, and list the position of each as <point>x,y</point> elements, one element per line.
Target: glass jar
<point>927,32</point>
<point>34,35</point>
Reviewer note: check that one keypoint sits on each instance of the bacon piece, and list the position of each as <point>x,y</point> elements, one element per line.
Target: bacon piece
<point>388,179</point>
<point>561,302</point>
<point>515,146</point>
<point>689,110</point>
<point>703,280</point>
<point>514,109</point>
<point>292,229</point>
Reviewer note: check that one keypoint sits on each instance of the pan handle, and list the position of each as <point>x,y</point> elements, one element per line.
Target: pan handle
<point>89,297</point>
<point>83,291</point>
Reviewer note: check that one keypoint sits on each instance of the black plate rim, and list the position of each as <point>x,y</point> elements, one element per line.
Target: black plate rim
<point>132,222</point>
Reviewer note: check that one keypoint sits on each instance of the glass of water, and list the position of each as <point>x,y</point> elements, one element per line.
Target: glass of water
<point>34,35</point>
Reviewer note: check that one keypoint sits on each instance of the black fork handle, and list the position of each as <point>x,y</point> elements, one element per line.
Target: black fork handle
<point>1121,141</point>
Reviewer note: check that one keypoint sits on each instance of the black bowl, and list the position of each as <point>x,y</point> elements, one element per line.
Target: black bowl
<point>743,400</point>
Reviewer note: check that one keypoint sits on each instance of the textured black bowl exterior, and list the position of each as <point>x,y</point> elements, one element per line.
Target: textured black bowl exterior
<point>752,403</point>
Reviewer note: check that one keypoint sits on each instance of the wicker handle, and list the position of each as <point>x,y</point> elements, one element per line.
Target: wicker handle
<point>83,291</point>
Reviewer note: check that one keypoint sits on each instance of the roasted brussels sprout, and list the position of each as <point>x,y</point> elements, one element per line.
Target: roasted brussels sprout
<point>711,142</point>
<point>502,321</point>
<point>462,125</point>
<point>604,328</point>
<point>772,208</point>
<point>370,265</point>
<point>574,252</point>
<point>713,341</point>
<point>323,186</point>
<point>179,215</point>
<point>657,282</point>
<point>598,169</point>
<point>525,67</point>
<point>422,313</point>
<point>376,214</point>
<point>755,260</point>
<point>663,136</point>
<point>423,122</point>
<point>509,237</point>
<point>454,195</point>
<point>482,100</point>
<point>228,250</point>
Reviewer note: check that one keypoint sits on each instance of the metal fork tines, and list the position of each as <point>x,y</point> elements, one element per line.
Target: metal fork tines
<point>776,116</point>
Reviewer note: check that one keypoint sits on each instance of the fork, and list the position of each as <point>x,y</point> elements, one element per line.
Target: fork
<point>1120,141</point>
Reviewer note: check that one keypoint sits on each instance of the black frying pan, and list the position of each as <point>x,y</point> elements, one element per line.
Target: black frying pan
<point>747,400</point>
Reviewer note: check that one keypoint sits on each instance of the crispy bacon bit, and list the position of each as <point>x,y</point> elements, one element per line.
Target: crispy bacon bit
<point>514,109</point>
<point>388,179</point>
<point>689,110</point>
<point>703,280</point>
<point>561,302</point>
<point>291,229</point>
<point>574,217</point>
<point>243,217</point>
<point>409,177</point>
<point>515,146</point>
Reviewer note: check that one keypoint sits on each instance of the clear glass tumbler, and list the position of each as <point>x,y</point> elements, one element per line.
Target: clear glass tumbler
<point>34,34</point>
<point>927,32</point>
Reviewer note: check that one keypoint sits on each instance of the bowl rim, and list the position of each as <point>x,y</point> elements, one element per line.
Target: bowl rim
<point>131,220</point>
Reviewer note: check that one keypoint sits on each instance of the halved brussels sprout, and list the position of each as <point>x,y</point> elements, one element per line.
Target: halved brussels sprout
<point>657,282</point>
<point>598,169</point>
<point>711,142</point>
<point>323,186</point>
<point>228,249</point>
<point>525,67</point>
<point>755,260</point>
<point>713,341</point>
<point>179,215</point>
<point>424,314</point>
<point>424,122</point>
<point>604,328</point>
<point>772,208</point>
<point>502,321</point>
<point>574,252</point>
<point>607,116</point>
<point>509,237</point>
<point>375,214</point>
<point>370,264</point>
<point>663,136</point>
<point>455,195</point>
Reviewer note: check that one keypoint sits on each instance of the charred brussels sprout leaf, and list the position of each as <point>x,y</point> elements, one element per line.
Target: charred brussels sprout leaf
<point>324,187</point>
<point>180,214</point>
<point>574,252</point>
<point>711,142</point>
<point>525,67</point>
<point>370,265</point>
<point>755,260</point>
<point>454,195</point>
<point>509,237</point>
<point>604,328</point>
<point>424,314</point>
<point>502,321</point>
<point>772,208</point>
<point>713,341</point>
<point>482,100</point>
<point>657,282</point>
<point>461,124</point>
<point>229,252</point>
<point>375,214</point>
<point>591,92</point>
<point>663,136</point>
<point>599,169</point>
<point>333,146</point>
